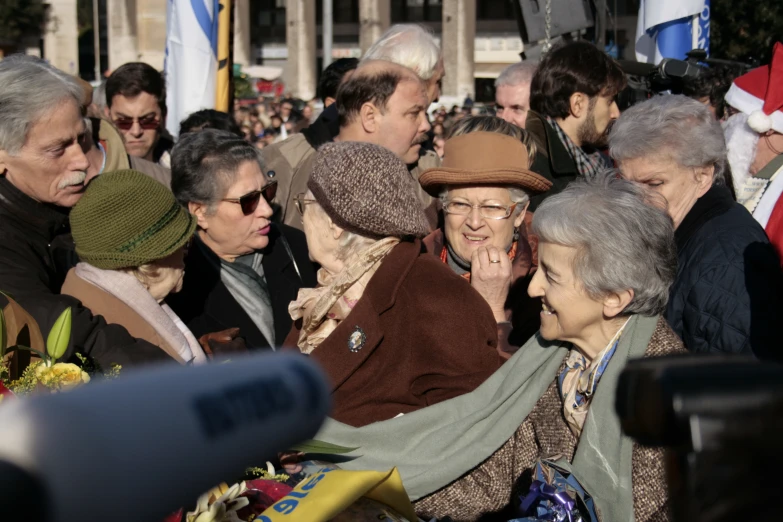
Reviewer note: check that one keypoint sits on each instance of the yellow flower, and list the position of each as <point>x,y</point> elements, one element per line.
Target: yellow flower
<point>61,376</point>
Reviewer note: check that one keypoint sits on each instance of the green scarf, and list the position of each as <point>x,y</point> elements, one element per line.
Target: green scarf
<point>434,446</point>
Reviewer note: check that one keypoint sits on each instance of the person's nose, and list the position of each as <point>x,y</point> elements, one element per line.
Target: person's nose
<point>614,111</point>
<point>264,209</point>
<point>136,131</point>
<point>425,123</point>
<point>536,287</point>
<point>475,221</point>
<point>78,158</point>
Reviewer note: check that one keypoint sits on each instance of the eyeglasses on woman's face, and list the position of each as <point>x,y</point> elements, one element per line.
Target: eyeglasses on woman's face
<point>249,202</point>
<point>487,211</point>
<point>300,200</point>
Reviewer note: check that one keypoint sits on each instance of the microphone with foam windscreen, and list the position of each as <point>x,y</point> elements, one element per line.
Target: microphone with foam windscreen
<point>140,447</point>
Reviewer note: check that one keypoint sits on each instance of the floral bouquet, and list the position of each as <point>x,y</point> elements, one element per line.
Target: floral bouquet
<point>303,492</point>
<point>43,373</point>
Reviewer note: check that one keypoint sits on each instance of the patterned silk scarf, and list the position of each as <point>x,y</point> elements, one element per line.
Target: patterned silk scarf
<point>323,308</point>
<point>588,165</point>
<point>577,382</point>
<point>444,256</point>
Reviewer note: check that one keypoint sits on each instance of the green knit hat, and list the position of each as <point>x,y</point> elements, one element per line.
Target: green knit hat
<point>126,219</point>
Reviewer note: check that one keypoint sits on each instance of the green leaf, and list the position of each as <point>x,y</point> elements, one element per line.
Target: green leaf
<point>28,349</point>
<point>321,447</point>
<point>59,336</point>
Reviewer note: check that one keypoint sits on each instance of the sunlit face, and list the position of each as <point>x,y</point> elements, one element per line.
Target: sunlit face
<point>321,241</point>
<point>227,231</point>
<point>169,277</point>
<point>594,131</point>
<point>680,186</point>
<point>512,103</point>
<point>51,166</point>
<point>435,83</point>
<point>568,312</point>
<point>403,126</point>
<point>466,234</point>
<point>139,142</point>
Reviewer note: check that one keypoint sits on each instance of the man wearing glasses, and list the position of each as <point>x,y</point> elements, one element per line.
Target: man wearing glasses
<point>136,103</point>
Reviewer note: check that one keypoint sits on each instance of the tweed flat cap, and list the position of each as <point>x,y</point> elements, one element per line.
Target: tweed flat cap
<point>483,158</point>
<point>126,219</point>
<point>368,190</point>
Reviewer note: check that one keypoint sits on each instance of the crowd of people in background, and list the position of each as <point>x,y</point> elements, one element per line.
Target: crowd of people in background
<point>500,261</point>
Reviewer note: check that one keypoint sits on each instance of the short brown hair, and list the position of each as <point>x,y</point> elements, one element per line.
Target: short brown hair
<point>132,79</point>
<point>573,67</point>
<point>375,88</point>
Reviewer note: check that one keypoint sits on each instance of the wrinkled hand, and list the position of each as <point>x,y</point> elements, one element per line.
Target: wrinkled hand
<point>225,342</point>
<point>492,280</point>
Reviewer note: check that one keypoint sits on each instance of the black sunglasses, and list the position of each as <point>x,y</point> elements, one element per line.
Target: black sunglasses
<point>249,202</point>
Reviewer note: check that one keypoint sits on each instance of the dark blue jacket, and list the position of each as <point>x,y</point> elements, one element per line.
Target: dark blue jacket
<point>728,295</point>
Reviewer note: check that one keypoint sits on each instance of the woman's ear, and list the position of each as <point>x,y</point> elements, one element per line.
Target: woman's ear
<point>616,302</point>
<point>335,230</point>
<point>200,211</point>
<point>521,217</point>
<point>704,178</point>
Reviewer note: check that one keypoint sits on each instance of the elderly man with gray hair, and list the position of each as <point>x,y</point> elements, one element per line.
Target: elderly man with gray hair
<point>414,47</point>
<point>728,291</point>
<point>512,93</point>
<point>43,169</point>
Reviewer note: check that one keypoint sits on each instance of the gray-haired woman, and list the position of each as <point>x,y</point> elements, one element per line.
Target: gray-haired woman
<point>607,259</point>
<point>728,291</point>
<point>242,270</point>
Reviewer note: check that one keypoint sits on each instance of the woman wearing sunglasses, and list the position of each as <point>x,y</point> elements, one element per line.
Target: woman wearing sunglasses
<point>394,329</point>
<point>242,269</point>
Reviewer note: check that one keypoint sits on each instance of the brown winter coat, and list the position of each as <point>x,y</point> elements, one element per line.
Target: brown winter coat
<point>114,311</point>
<point>492,487</point>
<point>429,337</point>
<point>521,309</point>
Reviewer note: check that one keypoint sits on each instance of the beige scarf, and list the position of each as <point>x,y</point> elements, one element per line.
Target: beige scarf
<point>324,307</point>
<point>579,381</point>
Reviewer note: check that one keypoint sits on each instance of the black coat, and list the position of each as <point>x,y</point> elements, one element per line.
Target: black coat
<point>205,305</point>
<point>36,252</point>
<point>552,160</point>
<point>729,289</point>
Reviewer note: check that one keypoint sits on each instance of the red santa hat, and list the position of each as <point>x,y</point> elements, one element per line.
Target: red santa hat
<point>759,94</point>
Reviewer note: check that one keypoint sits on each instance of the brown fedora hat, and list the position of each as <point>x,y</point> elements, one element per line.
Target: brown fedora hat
<point>483,158</point>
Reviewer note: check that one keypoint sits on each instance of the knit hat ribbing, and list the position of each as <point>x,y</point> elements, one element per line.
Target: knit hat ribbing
<point>126,219</point>
<point>366,189</point>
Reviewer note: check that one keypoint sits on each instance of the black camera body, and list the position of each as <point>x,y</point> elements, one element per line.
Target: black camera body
<point>719,419</point>
<point>670,76</point>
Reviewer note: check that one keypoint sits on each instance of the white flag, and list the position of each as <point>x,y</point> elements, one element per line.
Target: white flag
<point>665,29</point>
<point>191,59</point>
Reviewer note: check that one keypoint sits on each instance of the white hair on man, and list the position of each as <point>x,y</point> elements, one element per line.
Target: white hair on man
<point>30,89</point>
<point>516,74</point>
<point>409,45</point>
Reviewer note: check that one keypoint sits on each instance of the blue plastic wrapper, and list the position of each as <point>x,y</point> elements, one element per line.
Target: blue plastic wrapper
<point>556,496</point>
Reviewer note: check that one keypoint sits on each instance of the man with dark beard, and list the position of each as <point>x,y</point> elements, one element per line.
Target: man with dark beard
<point>572,101</point>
